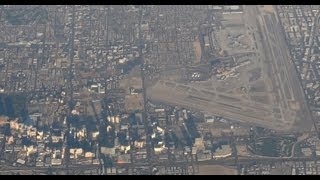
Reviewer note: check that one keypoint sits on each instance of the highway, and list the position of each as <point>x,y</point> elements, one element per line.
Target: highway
<point>227,162</point>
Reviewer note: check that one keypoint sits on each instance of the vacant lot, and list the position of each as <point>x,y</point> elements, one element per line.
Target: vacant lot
<point>197,49</point>
<point>134,102</point>
<point>216,170</point>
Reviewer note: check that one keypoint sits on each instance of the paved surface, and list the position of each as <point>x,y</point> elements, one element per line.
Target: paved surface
<point>287,110</point>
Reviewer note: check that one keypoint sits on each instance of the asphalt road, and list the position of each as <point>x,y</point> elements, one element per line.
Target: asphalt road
<point>228,162</point>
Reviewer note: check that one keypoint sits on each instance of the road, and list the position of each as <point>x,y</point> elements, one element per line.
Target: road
<point>145,116</point>
<point>70,87</point>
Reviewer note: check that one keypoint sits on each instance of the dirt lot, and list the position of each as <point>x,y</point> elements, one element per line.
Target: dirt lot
<point>132,80</point>
<point>197,50</point>
<point>268,8</point>
<point>216,170</point>
<point>232,19</point>
<point>3,120</point>
<point>242,150</point>
<point>134,102</point>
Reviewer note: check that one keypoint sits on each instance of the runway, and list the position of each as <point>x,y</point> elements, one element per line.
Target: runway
<point>292,113</point>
